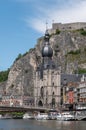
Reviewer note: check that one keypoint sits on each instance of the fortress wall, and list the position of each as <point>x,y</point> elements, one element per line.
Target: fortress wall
<point>69,26</point>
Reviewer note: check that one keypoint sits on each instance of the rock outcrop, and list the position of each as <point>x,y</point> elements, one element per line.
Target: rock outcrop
<point>69,49</point>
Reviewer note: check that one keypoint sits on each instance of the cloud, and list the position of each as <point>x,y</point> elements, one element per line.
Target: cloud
<point>75,13</point>
<point>63,11</point>
<point>36,24</point>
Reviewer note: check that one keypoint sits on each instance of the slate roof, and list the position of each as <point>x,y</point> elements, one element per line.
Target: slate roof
<point>71,78</point>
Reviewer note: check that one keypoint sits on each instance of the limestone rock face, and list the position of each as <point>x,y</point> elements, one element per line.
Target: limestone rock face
<point>21,76</point>
<point>3,88</point>
<point>69,53</point>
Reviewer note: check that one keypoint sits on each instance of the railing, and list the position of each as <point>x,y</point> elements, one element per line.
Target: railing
<point>80,117</point>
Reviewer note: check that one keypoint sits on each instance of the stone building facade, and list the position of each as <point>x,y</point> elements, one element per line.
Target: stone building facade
<point>67,26</point>
<point>47,79</point>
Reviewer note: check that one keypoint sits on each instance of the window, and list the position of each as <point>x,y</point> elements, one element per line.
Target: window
<point>42,92</point>
<point>53,83</point>
<point>53,94</point>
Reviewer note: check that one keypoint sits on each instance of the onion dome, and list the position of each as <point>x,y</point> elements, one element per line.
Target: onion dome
<point>47,51</point>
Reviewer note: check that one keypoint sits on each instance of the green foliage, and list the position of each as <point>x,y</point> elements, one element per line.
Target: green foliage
<point>78,30</point>
<point>4,75</point>
<point>57,31</point>
<point>81,71</point>
<point>25,54</point>
<point>19,56</point>
<point>17,113</point>
<point>32,49</point>
<point>83,32</point>
<point>85,49</point>
<point>75,52</point>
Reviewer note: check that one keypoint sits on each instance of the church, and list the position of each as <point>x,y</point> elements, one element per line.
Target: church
<point>47,81</point>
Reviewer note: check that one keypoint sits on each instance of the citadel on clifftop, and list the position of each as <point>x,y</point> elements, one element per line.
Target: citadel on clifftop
<point>67,26</point>
<point>37,79</point>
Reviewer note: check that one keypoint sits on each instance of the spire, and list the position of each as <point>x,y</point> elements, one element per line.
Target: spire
<point>47,36</point>
<point>47,50</point>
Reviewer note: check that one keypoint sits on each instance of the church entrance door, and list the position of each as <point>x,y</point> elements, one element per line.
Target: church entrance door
<point>40,103</point>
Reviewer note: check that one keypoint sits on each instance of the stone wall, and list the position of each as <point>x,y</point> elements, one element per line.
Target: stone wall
<point>69,26</point>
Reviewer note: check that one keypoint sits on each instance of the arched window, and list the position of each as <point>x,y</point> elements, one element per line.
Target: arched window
<point>53,94</point>
<point>53,83</point>
<point>46,100</point>
<point>40,103</point>
<point>53,102</point>
<point>42,91</point>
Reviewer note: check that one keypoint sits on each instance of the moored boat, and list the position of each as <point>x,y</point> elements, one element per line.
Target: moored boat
<point>41,116</point>
<point>65,116</point>
<point>28,116</point>
<point>7,116</point>
<point>52,114</point>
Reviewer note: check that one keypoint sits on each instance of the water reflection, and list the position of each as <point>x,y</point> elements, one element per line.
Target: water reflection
<point>63,125</point>
<point>41,125</point>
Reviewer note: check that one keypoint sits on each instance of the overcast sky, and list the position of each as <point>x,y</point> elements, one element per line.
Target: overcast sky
<point>22,22</point>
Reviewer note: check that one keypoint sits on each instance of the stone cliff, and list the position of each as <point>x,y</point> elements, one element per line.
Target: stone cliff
<point>69,49</point>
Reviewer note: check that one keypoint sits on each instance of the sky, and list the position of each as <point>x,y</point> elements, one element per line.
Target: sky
<point>22,22</point>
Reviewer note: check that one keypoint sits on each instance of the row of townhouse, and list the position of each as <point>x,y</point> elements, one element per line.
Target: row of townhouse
<point>8,100</point>
<point>16,100</point>
<point>73,94</point>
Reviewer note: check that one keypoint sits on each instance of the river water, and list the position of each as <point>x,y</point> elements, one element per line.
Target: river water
<point>20,124</point>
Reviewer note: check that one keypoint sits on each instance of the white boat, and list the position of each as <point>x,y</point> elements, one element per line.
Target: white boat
<point>52,114</point>
<point>65,116</point>
<point>28,116</point>
<point>0,116</point>
<point>41,116</point>
<point>7,116</point>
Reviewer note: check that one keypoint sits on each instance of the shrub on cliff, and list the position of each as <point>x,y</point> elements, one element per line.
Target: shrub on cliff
<point>4,75</point>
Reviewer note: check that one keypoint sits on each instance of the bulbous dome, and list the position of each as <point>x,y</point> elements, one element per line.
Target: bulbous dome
<point>47,51</point>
